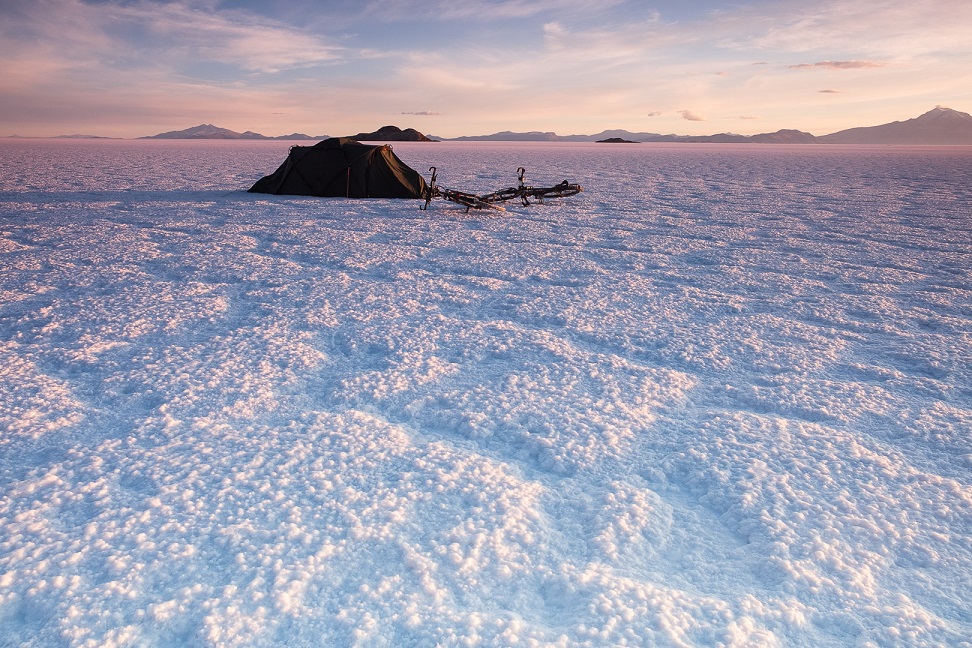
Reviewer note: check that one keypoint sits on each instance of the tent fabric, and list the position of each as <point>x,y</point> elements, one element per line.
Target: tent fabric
<point>343,167</point>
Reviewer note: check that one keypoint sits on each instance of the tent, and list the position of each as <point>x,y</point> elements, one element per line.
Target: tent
<point>343,167</point>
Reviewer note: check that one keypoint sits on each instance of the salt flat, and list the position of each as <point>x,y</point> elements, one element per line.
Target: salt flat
<point>722,397</point>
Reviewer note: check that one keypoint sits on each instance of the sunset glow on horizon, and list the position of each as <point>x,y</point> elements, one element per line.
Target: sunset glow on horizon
<point>129,69</point>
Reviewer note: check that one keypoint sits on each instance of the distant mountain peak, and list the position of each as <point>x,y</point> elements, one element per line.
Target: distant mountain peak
<point>939,113</point>
<point>209,131</point>
<point>938,126</point>
<point>202,131</point>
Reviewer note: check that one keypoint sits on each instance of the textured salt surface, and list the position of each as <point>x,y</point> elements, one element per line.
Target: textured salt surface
<point>723,397</point>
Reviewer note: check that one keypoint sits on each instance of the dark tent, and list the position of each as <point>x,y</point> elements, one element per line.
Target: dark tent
<point>343,167</point>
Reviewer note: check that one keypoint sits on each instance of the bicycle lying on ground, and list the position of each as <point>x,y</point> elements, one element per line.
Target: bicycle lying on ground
<point>490,200</point>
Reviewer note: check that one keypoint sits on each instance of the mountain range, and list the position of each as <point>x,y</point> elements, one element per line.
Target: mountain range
<point>208,131</point>
<point>938,126</point>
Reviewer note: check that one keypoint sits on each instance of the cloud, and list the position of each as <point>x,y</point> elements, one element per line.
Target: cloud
<point>480,10</point>
<point>891,29</point>
<point>578,65</point>
<point>838,65</point>
<point>114,37</point>
<point>230,37</point>
<point>113,67</point>
<point>612,44</point>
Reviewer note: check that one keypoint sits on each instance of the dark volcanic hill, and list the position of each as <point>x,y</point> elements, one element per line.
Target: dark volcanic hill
<point>939,126</point>
<point>391,134</point>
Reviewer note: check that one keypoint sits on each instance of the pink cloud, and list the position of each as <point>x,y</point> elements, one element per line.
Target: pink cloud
<point>838,65</point>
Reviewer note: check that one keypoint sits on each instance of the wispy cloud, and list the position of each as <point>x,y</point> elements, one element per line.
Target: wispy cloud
<point>481,10</point>
<point>230,37</point>
<point>614,44</point>
<point>894,28</point>
<point>838,65</point>
<point>124,35</point>
<point>829,91</point>
<point>115,65</point>
<point>427,113</point>
<point>691,116</point>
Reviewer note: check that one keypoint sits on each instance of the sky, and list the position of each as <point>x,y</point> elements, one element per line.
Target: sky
<point>450,68</point>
